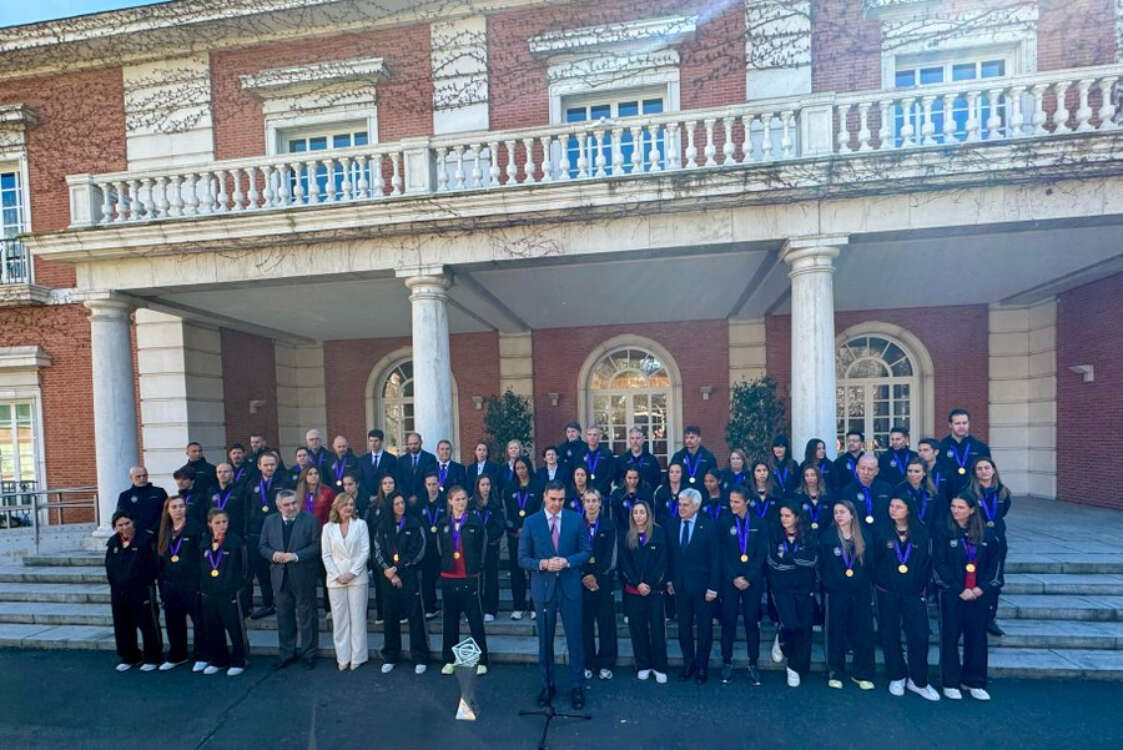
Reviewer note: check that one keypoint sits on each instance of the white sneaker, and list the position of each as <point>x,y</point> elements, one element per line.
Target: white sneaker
<point>387,668</point>
<point>489,618</point>
<point>481,670</point>
<point>588,674</point>
<point>979,694</point>
<point>170,665</point>
<point>643,674</point>
<point>123,667</point>
<point>419,669</point>
<point>606,674</point>
<point>235,671</point>
<point>953,694</point>
<point>211,669</point>
<point>661,677</point>
<point>793,677</point>
<point>199,666</point>
<point>148,667</point>
<point>897,687</point>
<point>448,669</point>
<point>777,652</point>
<point>516,615</point>
<point>927,692</point>
<point>533,615</point>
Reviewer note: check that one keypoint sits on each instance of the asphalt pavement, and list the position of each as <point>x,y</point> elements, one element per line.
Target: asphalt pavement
<point>69,699</point>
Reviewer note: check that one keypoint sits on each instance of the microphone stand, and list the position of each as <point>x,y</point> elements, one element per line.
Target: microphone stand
<point>551,713</point>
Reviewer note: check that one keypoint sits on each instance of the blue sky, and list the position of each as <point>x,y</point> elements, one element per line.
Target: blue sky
<point>14,12</point>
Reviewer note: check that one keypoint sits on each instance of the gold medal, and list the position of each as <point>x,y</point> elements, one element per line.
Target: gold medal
<point>395,557</point>
<point>592,559</point>
<point>432,529</point>
<point>214,573</point>
<point>962,470</point>
<point>455,555</point>
<point>744,558</point>
<point>902,568</point>
<point>522,513</point>
<point>970,567</point>
<point>264,508</point>
<point>175,558</point>
<point>849,573</point>
<point>869,519</point>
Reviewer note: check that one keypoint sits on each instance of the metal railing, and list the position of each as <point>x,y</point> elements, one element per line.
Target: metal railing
<point>15,264</point>
<point>27,507</point>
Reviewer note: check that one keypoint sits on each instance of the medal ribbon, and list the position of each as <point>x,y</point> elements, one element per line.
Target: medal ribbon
<point>521,497</point>
<point>593,464</point>
<point>920,497</point>
<point>847,560</point>
<point>970,549</point>
<point>263,487</point>
<point>214,558</point>
<point>697,460</point>
<point>715,508</point>
<point>782,476</point>
<point>339,469</point>
<point>224,501</point>
<point>742,533</point>
<point>961,461</point>
<point>593,530</point>
<point>738,479</point>
<point>173,549</point>
<point>454,530</point>
<point>485,516</point>
<point>790,549</point>
<point>762,508</point>
<point>239,474</point>
<point>902,463</point>
<point>902,557</point>
<point>309,502</point>
<point>814,510</point>
<point>989,503</point>
<point>869,498</point>
<point>432,517</point>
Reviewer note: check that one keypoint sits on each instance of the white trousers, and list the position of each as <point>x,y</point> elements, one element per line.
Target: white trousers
<point>349,623</point>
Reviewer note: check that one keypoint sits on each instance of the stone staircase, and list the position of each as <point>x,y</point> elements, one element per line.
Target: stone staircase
<point>1063,615</point>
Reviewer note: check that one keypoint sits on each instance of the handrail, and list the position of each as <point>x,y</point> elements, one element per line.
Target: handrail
<point>28,506</point>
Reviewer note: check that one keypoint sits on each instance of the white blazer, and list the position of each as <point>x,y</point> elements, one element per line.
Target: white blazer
<point>346,554</point>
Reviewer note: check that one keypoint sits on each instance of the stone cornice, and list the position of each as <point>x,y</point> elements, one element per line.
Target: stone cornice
<point>296,79</point>
<point>662,31</point>
<point>17,116</point>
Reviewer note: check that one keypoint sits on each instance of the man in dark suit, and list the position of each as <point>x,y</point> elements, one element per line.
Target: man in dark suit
<point>413,465</point>
<point>695,578</point>
<point>449,472</point>
<point>554,547</point>
<point>375,463</point>
<point>290,541</point>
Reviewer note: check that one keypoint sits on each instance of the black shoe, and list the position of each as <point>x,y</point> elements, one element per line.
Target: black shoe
<point>726,674</point>
<point>578,698</point>
<point>261,612</point>
<point>754,675</point>
<point>686,672</point>
<point>546,695</point>
<point>309,664</point>
<point>282,663</point>
<point>701,677</point>
<point>994,630</point>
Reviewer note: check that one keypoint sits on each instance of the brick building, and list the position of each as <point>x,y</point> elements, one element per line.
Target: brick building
<point>272,215</point>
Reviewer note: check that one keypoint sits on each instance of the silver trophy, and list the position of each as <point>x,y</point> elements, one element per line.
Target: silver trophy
<point>467,656</point>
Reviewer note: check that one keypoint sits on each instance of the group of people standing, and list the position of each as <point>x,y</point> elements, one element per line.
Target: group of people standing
<point>809,543</point>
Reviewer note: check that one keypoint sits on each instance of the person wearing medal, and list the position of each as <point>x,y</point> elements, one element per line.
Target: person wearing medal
<point>790,568</point>
<point>928,450</point>
<point>345,551</point>
<point>639,457</point>
<point>994,503</point>
<point>342,462</point>
<point>578,488</point>
<point>644,562</point>
<point>223,571</point>
<point>893,462</point>
<point>262,504</point>
<point>764,494</point>
<point>571,451</point>
<point>736,473</point>
<point>815,499</point>
<point>316,498</point>
<point>302,459</point>
<point>815,454</point>
<point>461,539</point>
<point>236,457</point>
<point>665,512</point>
<point>229,496</point>
<point>846,465</point>
<point>742,543</point>
<point>902,569</point>
<point>143,501</point>
<point>431,510</point>
<point>845,561</point>
<point>490,511</point>
<point>521,500</point>
<point>598,604</point>
<point>694,458</point>
<point>694,579</point>
<point>317,451</point>
<point>965,558</point>
<point>600,462</point>
<point>630,492</point>
<point>194,494</point>
<point>921,495</point>
<point>869,494</point>
<point>449,472</point>
<point>179,551</point>
<point>959,450</point>
<point>713,498</point>
<point>131,569</point>
<point>784,468</point>
<point>399,548</point>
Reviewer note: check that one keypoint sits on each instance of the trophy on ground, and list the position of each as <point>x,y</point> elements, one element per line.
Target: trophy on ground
<point>467,656</point>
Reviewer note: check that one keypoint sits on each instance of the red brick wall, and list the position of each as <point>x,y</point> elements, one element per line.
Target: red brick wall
<point>405,98</point>
<point>65,143</point>
<point>249,373</point>
<point>700,349</point>
<point>1075,33</point>
<point>347,366</point>
<point>956,339</point>
<point>845,47</point>
<point>712,68</point>
<point>1089,415</point>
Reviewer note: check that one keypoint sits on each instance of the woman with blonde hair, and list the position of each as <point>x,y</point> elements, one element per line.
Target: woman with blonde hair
<point>345,547</point>
<point>644,570</point>
<point>845,565</point>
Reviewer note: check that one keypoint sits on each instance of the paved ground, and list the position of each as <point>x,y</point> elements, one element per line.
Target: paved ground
<point>55,699</point>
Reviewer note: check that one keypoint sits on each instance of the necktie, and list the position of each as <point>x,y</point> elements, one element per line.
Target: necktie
<point>415,462</point>
<point>685,538</point>
<point>287,533</point>
<point>377,456</point>
<point>554,531</point>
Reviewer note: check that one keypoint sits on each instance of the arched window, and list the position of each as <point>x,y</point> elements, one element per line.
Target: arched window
<point>877,388</point>
<point>633,383</point>
<point>390,403</point>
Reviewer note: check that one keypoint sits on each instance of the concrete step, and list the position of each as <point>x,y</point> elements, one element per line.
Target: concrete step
<point>1060,607</point>
<point>1097,584</point>
<point>1065,562</point>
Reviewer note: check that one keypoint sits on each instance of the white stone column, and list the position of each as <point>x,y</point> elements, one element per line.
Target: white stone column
<point>115,444</point>
<point>432,373</point>
<point>811,263</point>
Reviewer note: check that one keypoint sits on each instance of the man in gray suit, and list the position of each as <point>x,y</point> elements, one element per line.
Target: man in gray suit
<point>290,541</point>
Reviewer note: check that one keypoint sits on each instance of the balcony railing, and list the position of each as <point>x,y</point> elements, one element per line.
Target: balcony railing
<point>775,131</point>
<point>15,265</point>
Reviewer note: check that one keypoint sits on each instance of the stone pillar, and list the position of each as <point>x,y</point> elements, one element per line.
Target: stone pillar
<point>115,443</point>
<point>432,373</point>
<point>811,263</point>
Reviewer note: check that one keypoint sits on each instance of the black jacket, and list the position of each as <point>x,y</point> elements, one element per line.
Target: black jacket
<point>494,522</point>
<point>872,503</point>
<point>337,467</point>
<point>473,540</point>
<point>955,455</point>
<point>603,560</point>
<point>519,503</point>
<point>179,565</point>
<point>786,475</point>
<point>261,500</point>
<point>131,570</point>
<point>620,503</point>
<point>931,510</point>
<point>145,505</point>
<point>648,563</point>
<point>666,503</point>
<point>198,500</point>
<point>402,547</point>
<point>891,465</point>
<point>844,468</point>
<point>571,452</point>
<point>950,557</point>
<point>790,566</point>
<point>694,467</point>
<point>820,514</point>
<point>914,553</point>
<point>650,472</point>
<point>730,530</point>
<point>994,504</point>
<point>233,567</point>
<point>695,569</point>
<point>370,475</point>
<point>233,501</point>
<point>833,553</point>
<point>602,468</point>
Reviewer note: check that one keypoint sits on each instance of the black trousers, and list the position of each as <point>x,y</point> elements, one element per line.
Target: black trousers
<point>745,604</point>
<point>648,630</point>
<point>969,620</point>
<point>134,611</point>
<point>430,572</point>
<point>404,602</point>
<point>222,618</point>
<point>379,583</point>
<point>598,622</point>
<point>992,606</point>
<point>518,576</point>
<point>297,614</point>
<point>462,595</point>
<point>180,604</point>
<point>796,609</point>
<point>490,592</point>
<point>910,613</point>
<point>695,628</point>
<point>260,572</point>
<point>849,621</point>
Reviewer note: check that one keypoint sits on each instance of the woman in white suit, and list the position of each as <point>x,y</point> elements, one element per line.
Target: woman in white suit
<point>345,543</point>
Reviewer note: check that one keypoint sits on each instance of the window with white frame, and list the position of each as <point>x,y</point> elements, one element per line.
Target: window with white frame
<point>615,105</point>
<point>13,257</point>
<point>18,451</point>
<point>326,139</point>
<point>632,387</point>
<point>392,391</point>
<point>917,72</point>
<point>877,388</point>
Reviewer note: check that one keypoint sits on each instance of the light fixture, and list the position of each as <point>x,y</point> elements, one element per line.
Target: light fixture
<point>1088,371</point>
<point>707,391</point>
<point>478,402</point>
<point>554,398</point>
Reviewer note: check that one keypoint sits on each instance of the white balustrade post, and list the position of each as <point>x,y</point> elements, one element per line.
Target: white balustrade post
<point>811,269</point>
<point>432,379</point>
<point>115,440</point>
<point>85,201</point>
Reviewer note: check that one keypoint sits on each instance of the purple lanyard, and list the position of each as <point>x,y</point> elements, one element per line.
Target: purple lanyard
<point>521,497</point>
<point>847,560</point>
<point>239,473</point>
<point>961,461</point>
<point>339,469</point>
<point>868,498</point>
<point>432,516</point>
<point>737,479</point>
<point>222,502</point>
<point>309,502</point>
<point>989,503</point>
<point>789,549</point>
<point>762,508</point>
<point>902,463</point>
<point>593,530</point>
<point>782,476</point>
<point>902,556</point>
<point>214,558</point>
<point>593,464</point>
<point>692,469</point>
<point>263,487</point>
<point>454,531</point>
<point>575,503</point>
<point>814,510</point>
<point>642,539</point>
<point>173,549</point>
<point>742,533</point>
<point>971,549</point>
<point>715,508</point>
<point>920,497</point>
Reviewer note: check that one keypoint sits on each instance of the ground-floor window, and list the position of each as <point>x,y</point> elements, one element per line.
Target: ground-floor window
<point>877,388</point>
<point>392,392</point>
<point>632,387</point>
<point>18,451</point>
